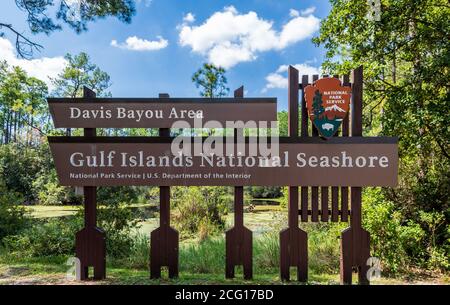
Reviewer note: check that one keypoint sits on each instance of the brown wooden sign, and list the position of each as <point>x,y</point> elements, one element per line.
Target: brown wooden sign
<point>157,112</point>
<point>330,172</point>
<point>144,161</point>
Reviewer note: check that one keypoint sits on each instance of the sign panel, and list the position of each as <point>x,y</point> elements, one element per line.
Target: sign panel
<point>126,161</point>
<point>157,112</point>
<point>328,104</point>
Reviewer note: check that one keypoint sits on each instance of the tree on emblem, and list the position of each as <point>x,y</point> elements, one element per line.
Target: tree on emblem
<point>317,105</point>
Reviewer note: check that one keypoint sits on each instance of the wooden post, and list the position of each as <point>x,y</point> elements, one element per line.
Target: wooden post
<point>345,133</point>
<point>304,133</point>
<point>239,241</point>
<point>293,240</point>
<point>90,244</point>
<point>164,240</point>
<point>355,241</point>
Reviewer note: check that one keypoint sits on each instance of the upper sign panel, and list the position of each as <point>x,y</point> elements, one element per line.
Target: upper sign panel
<point>157,112</point>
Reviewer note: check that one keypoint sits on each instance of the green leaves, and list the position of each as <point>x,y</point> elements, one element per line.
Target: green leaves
<point>211,80</point>
<point>22,105</point>
<point>79,72</point>
<point>406,59</point>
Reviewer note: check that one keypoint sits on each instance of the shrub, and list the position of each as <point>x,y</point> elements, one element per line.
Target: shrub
<point>395,242</point>
<point>56,236</point>
<point>13,217</point>
<point>324,246</point>
<point>438,256</point>
<point>124,194</point>
<point>50,192</point>
<point>265,191</point>
<point>46,238</point>
<point>199,210</point>
<point>20,167</point>
<point>118,222</point>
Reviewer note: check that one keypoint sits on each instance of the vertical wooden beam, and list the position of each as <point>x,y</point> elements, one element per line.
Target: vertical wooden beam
<point>304,133</point>
<point>334,204</point>
<point>239,190</point>
<point>314,204</point>
<point>293,241</point>
<point>90,192</point>
<point>90,244</point>
<point>345,133</point>
<point>239,239</point>
<point>293,132</point>
<point>164,191</point>
<point>164,240</point>
<point>355,241</point>
<point>315,132</point>
<point>356,117</point>
<point>335,191</point>
<point>315,189</point>
<point>324,204</point>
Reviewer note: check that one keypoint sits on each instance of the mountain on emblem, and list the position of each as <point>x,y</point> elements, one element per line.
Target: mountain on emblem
<point>334,108</point>
<point>328,104</point>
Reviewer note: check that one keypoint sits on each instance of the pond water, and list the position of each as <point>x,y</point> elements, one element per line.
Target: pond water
<point>145,212</point>
<point>264,202</point>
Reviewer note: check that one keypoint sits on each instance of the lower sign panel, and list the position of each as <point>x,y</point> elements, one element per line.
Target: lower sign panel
<point>295,164</point>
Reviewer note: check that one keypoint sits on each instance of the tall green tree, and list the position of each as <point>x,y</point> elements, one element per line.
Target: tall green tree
<point>23,114</point>
<point>211,80</point>
<point>76,14</point>
<point>80,72</point>
<point>406,59</point>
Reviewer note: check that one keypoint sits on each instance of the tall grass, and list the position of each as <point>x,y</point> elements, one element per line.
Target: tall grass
<point>208,256</point>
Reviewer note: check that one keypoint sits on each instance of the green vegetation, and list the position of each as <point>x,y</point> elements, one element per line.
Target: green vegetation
<point>211,80</point>
<point>12,215</point>
<point>201,262</point>
<point>199,210</point>
<point>405,56</point>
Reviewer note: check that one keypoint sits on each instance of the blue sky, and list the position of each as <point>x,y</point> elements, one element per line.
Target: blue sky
<point>254,39</point>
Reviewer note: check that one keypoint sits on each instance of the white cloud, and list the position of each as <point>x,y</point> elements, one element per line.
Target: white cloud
<point>41,68</point>
<point>188,18</point>
<point>135,43</point>
<point>147,3</point>
<point>294,13</point>
<point>278,79</point>
<point>227,37</point>
<point>308,11</point>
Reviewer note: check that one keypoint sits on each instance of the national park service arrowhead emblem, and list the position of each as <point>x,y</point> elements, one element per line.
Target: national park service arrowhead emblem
<point>328,103</point>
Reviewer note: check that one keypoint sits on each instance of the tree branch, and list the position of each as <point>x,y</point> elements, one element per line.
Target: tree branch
<point>24,46</point>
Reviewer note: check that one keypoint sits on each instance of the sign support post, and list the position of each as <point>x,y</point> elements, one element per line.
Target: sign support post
<point>239,244</point>
<point>90,242</point>
<point>355,241</point>
<point>164,240</point>
<point>293,240</point>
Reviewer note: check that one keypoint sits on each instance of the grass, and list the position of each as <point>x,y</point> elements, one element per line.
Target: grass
<point>53,271</point>
<point>200,263</point>
<point>49,211</point>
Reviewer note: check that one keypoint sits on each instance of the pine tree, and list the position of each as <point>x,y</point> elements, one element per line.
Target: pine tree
<point>317,105</point>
